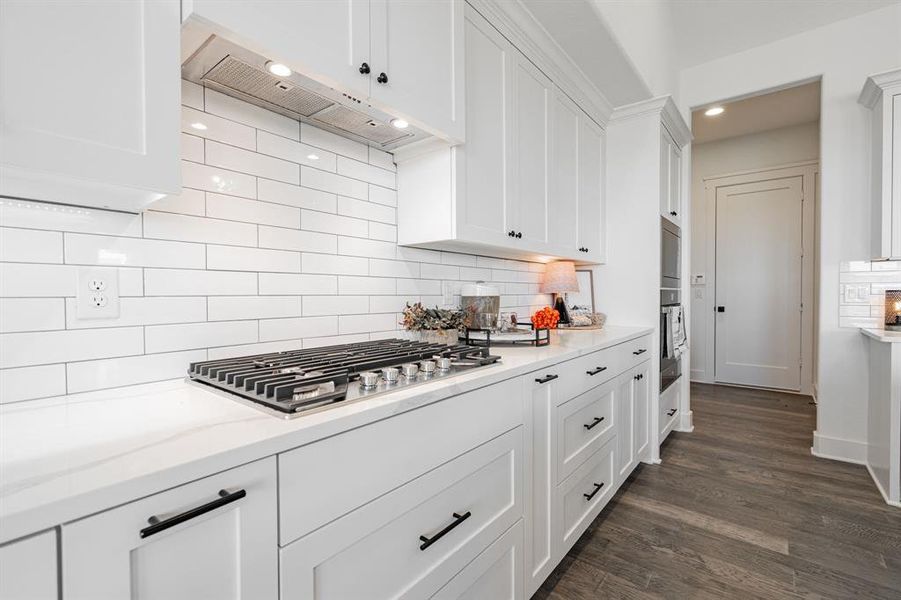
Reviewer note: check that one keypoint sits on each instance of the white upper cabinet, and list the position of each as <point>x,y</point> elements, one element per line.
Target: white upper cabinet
<point>404,57</point>
<point>882,95</point>
<point>417,62</point>
<point>670,178</point>
<point>89,101</point>
<point>527,183</point>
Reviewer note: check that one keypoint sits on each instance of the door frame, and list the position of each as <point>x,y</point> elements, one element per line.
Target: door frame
<point>808,171</point>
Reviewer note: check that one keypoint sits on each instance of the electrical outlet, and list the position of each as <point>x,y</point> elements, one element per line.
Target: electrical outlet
<point>97,296</point>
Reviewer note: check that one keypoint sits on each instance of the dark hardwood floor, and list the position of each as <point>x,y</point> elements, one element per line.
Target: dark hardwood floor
<point>739,509</point>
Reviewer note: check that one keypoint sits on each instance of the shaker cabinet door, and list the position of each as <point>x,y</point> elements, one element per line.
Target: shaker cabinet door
<point>563,217</point>
<point>592,234</point>
<point>28,568</point>
<point>226,549</point>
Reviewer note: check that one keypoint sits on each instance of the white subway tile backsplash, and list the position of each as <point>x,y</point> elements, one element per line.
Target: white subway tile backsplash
<point>217,128</point>
<point>253,163</point>
<point>116,372</point>
<point>862,291</point>
<point>362,209</point>
<point>280,147</point>
<point>232,308</point>
<point>182,282</point>
<point>28,383</point>
<point>83,249</point>
<point>248,114</point>
<point>143,311</point>
<point>265,249</point>
<point>233,208</point>
<point>297,284</point>
<point>352,246</point>
<point>328,223</point>
<point>368,173</point>
<point>30,245</point>
<point>293,239</point>
<point>169,226</point>
<point>293,195</point>
<point>335,305</point>
<point>330,182</point>
<point>168,338</point>
<point>32,314</point>
<point>286,329</point>
<point>335,265</point>
<point>46,347</point>
<point>334,143</point>
<point>214,179</point>
<point>56,217</point>
<point>233,258</point>
<point>189,202</point>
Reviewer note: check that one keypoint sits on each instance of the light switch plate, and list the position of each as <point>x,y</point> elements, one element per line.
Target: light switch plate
<point>97,296</point>
<point>855,293</point>
<point>698,279</point>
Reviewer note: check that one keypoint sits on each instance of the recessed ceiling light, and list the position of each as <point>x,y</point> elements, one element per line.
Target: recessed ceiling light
<point>199,126</point>
<point>399,123</point>
<point>312,156</point>
<point>714,111</point>
<point>278,69</point>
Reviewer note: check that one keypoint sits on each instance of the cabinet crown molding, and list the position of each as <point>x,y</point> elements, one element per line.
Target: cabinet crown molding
<point>877,85</point>
<point>662,106</point>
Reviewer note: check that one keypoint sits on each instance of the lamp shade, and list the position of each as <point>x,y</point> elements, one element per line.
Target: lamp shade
<point>560,277</point>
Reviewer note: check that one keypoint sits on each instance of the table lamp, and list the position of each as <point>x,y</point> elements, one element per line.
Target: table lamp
<point>893,310</point>
<point>559,278</point>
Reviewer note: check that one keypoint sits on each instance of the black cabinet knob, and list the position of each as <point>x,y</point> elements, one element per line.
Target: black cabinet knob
<point>673,213</point>
<point>364,69</point>
<point>720,309</point>
<point>518,234</point>
<point>382,78</point>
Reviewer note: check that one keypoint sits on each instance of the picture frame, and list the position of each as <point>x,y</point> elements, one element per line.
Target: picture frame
<point>584,298</point>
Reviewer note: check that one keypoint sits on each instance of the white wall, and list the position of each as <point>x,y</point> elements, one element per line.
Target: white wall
<point>743,153</point>
<point>843,53</point>
<point>644,31</point>
<point>259,254</point>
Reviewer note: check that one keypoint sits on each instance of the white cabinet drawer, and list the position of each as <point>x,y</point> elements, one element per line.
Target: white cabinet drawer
<point>365,463</point>
<point>413,540</point>
<point>211,538</point>
<point>669,409</point>
<point>585,372</point>
<point>584,494</point>
<point>28,569</point>
<point>495,574</point>
<point>584,424</point>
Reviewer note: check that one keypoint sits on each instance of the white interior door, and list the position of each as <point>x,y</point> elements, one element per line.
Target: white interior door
<point>758,283</point>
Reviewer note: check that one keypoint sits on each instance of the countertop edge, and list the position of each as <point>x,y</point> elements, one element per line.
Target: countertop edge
<point>888,337</point>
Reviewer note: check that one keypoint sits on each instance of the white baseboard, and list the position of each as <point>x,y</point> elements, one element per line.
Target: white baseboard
<point>882,490</point>
<point>838,449</point>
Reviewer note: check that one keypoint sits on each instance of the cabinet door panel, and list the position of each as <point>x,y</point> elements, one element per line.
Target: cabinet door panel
<point>675,179</point>
<point>641,407</point>
<point>591,190</point>
<point>89,101</point>
<point>563,224</point>
<point>418,47</point>
<point>896,175</point>
<point>665,169</point>
<point>228,552</point>
<point>486,154</point>
<point>496,573</point>
<point>28,569</point>
<point>625,404</point>
<point>327,40</point>
<point>532,93</point>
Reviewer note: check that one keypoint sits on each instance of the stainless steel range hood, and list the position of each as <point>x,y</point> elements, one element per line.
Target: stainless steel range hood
<point>235,71</point>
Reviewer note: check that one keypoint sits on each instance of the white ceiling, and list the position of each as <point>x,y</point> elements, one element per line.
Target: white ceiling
<point>710,29</point>
<point>792,106</point>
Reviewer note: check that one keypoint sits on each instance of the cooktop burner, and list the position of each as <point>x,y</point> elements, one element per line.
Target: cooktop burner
<point>291,382</point>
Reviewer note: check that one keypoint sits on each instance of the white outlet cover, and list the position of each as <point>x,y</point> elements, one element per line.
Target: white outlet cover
<point>97,296</point>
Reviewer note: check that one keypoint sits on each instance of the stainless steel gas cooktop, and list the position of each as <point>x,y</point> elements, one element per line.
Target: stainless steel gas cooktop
<point>289,383</point>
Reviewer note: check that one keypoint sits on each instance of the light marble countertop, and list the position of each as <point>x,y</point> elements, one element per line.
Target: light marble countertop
<point>889,337</point>
<point>71,456</point>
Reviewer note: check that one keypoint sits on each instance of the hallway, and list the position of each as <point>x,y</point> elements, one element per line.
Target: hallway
<point>739,509</point>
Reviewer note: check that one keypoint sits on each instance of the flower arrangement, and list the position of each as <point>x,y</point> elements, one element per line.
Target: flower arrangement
<point>546,318</point>
<point>419,318</point>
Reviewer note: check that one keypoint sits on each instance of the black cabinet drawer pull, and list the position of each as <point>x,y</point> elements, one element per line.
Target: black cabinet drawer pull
<point>591,425</point>
<point>157,526</point>
<point>640,351</point>
<point>596,371</point>
<point>671,412</point>
<point>428,541</point>
<point>597,488</point>
<point>546,378</point>
<point>639,377</point>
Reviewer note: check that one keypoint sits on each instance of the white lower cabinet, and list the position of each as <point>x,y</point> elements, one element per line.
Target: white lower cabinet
<point>28,568</point>
<point>669,411</point>
<point>215,538</point>
<point>633,406</point>
<point>412,541</point>
<point>495,574</point>
<point>582,496</point>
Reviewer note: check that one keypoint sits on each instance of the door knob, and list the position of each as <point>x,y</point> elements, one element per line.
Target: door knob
<point>364,69</point>
<point>720,309</point>
<point>382,78</point>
